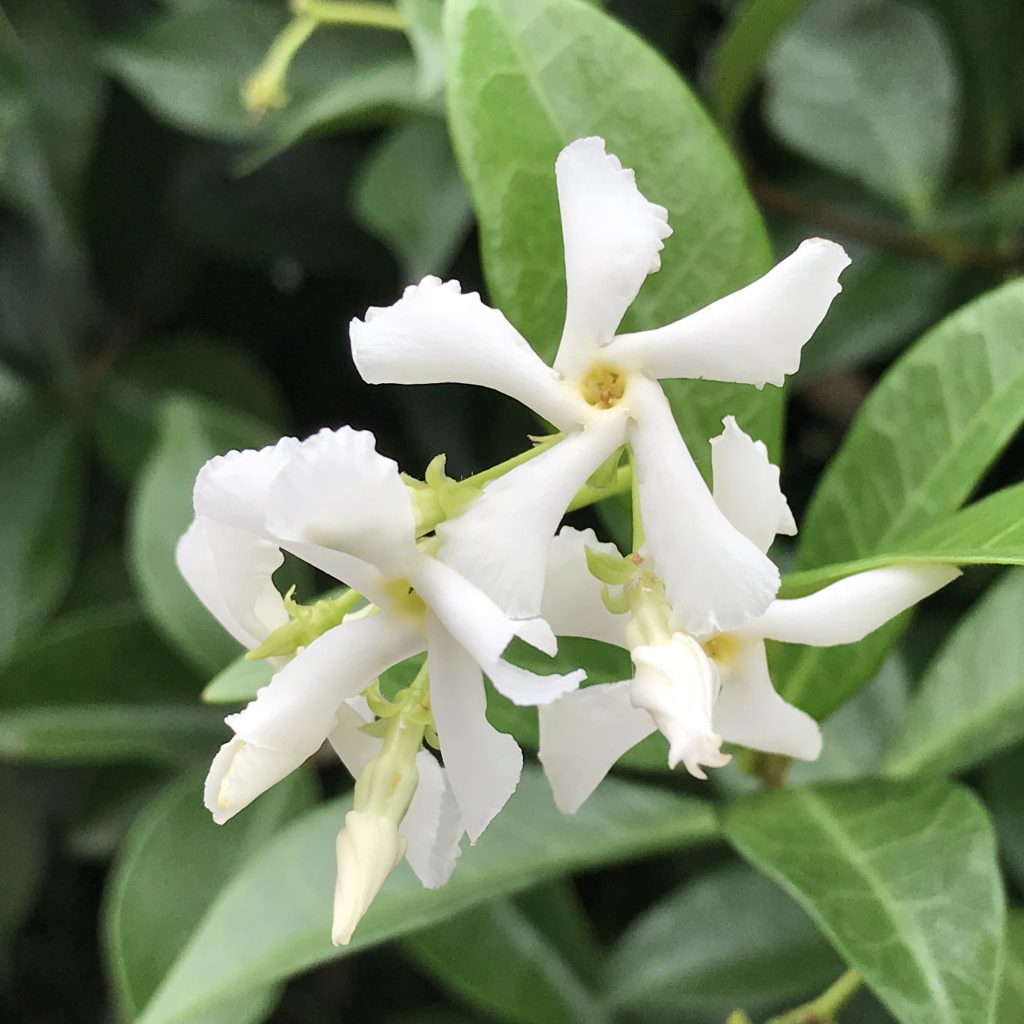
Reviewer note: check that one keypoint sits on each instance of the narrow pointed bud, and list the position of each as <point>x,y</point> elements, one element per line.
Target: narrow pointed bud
<point>368,850</point>
<point>677,684</point>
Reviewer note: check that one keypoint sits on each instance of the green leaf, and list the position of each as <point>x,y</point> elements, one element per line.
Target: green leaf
<point>173,863</point>
<point>918,447</point>
<point>423,19</point>
<point>410,196</point>
<point>238,683</point>
<point>42,469</point>
<point>189,433</point>
<point>753,26</point>
<point>109,733</point>
<point>970,702</point>
<point>1003,794</point>
<point>22,860</point>
<point>869,88</point>
<point>1012,997</point>
<point>98,656</point>
<point>999,209</point>
<point>125,417</point>
<point>526,77</point>
<point>903,880</point>
<point>496,959</point>
<point>727,939</point>
<point>272,921</point>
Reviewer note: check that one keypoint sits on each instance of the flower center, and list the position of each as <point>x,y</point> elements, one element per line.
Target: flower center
<point>404,600</point>
<point>721,648</point>
<point>603,385</point>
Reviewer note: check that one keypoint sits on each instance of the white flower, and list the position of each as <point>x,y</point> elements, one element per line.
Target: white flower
<point>333,501</point>
<point>602,393</point>
<point>584,733</point>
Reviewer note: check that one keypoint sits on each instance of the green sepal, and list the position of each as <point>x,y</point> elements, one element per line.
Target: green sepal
<point>376,729</point>
<point>605,475</point>
<point>307,623</point>
<point>614,570</point>
<point>617,604</point>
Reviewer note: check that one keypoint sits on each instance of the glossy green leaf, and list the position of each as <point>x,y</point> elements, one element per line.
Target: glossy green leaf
<point>411,197</point>
<point>724,940</point>
<point>238,683</point>
<point>109,733</point>
<point>917,449</point>
<point>753,26</point>
<point>98,656</point>
<point>496,959</point>
<point>526,77</point>
<point>1011,999</point>
<point>272,920</point>
<point>869,88</point>
<point>125,417</point>
<point>41,468</point>
<point>174,862</point>
<point>903,879</point>
<point>970,702</point>
<point>189,433</point>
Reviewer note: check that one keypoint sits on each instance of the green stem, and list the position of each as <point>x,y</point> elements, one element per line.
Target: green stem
<point>265,86</point>
<point>587,495</point>
<point>825,1008</point>
<point>339,12</point>
<point>487,475</point>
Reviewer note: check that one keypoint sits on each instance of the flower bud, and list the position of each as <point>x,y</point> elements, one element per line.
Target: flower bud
<point>677,684</point>
<point>368,850</point>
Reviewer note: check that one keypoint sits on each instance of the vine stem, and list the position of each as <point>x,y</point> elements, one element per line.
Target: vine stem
<point>824,1009</point>
<point>351,12</point>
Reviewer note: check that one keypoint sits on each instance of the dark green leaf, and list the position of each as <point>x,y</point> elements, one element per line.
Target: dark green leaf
<point>869,88</point>
<point>238,683</point>
<point>970,703</point>
<point>174,862</point>
<point>903,879</point>
<point>916,450</point>
<point>526,77</point>
<point>272,920</point>
<point>728,939</point>
<point>189,433</point>
<point>1005,798</point>
<point>1012,997</point>
<point>22,860</point>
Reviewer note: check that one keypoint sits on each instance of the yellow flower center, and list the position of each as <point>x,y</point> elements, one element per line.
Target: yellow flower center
<point>404,600</point>
<point>721,648</point>
<point>603,385</point>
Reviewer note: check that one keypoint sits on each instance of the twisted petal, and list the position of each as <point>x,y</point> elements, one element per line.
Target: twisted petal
<point>483,765</point>
<point>435,334</point>
<point>232,489</point>
<point>432,827</point>
<point>340,505</point>
<point>750,712</point>
<point>753,336</point>
<point>501,541</point>
<point>612,238</point>
<point>583,734</point>
<point>231,572</point>
<point>715,578</point>
<point>484,631</point>
<point>846,611</point>
<point>572,603</point>
<point>746,487</point>
<point>293,715</point>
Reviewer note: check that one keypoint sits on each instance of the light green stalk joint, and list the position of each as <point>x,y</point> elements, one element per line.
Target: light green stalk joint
<point>385,787</point>
<point>307,623</point>
<point>438,497</point>
<point>650,612</point>
<point>615,570</point>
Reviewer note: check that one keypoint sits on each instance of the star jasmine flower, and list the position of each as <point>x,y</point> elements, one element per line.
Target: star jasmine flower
<point>705,688</point>
<point>333,501</point>
<point>602,393</point>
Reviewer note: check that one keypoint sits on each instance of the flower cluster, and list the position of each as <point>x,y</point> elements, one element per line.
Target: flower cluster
<point>457,570</point>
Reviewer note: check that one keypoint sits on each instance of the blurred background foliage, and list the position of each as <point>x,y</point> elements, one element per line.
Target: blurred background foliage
<point>176,278</point>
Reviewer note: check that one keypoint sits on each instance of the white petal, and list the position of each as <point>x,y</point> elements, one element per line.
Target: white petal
<point>483,765</point>
<point>612,238</point>
<point>846,611</point>
<point>368,849</point>
<point>746,486</point>
<point>572,603</point>
<point>297,709</point>
<point>676,684</point>
<point>432,827</point>
<point>750,712</point>
<point>583,734</point>
<point>233,488</point>
<point>336,492</point>
<point>435,334</point>
<point>753,336</point>
<point>501,541</point>
<point>353,746</point>
<point>241,772</point>
<point>231,572</point>
<point>714,577</point>
<point>484,631</point>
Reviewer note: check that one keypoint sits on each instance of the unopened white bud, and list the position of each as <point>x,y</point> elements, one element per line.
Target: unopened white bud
<point>676,683</point>
<point>368,848</point>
